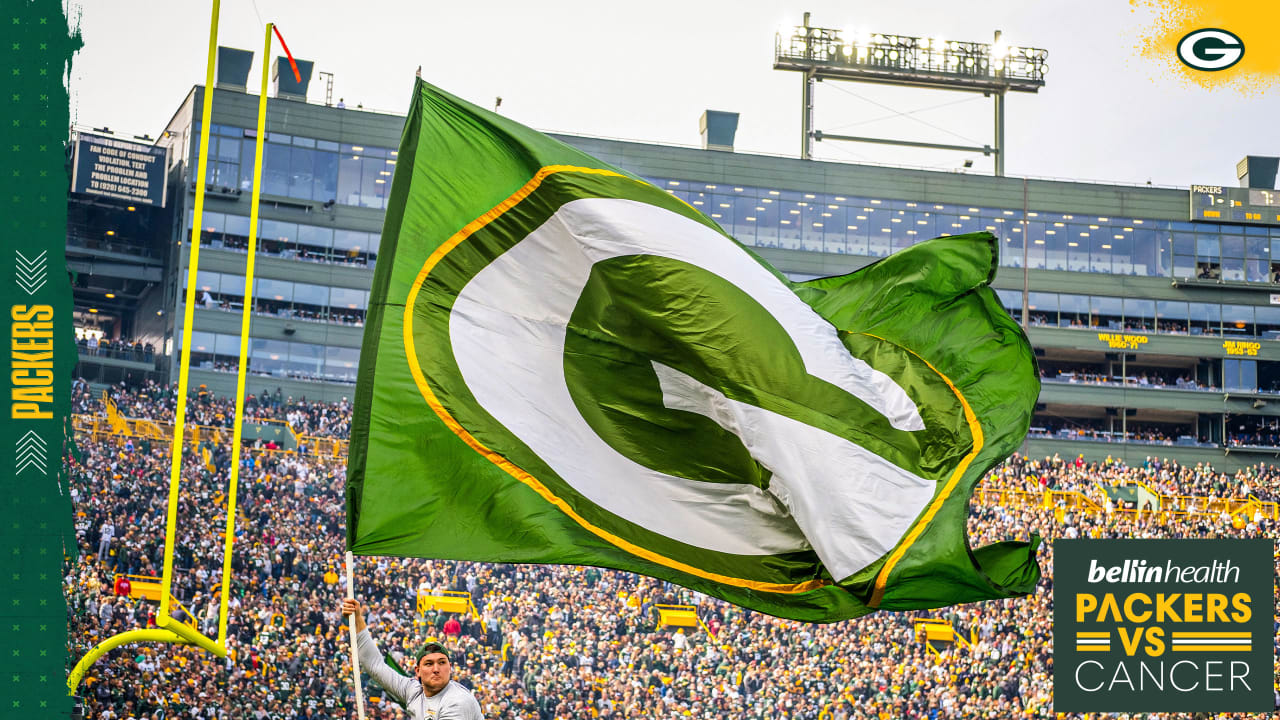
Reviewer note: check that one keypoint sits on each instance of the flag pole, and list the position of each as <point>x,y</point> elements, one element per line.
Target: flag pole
<point>355,654</point>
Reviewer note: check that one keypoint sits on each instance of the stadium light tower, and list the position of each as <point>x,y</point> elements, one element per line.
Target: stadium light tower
<point>993,70</point>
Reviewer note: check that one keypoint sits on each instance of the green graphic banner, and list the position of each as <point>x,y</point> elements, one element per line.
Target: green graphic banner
<point>39,349</point>
<point>1163,625</point>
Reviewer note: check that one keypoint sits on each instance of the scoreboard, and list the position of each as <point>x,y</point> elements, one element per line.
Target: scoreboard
<point>1220,203</point>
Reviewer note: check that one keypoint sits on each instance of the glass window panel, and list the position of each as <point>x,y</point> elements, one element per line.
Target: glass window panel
<point>1035,245</point>
<point>1106,312</point>
<point>1206,318</point>
<point>1144,252</point>
<point>813,226</point>
<point>1233,269</point>
<point>1231,374</point>
<point>349,178</point>
<point>306,358</point>
<point>1121,251</point>
<point>745,218</point>
<point>1077,247</point>
<point>268,355</point>
<point>201,341</point>
<point>237,225</point>
<point>325,180</point>
<point>1232,246</point>
<point>898,226</point>
<point>1209,246</point>
<point>350,240</point>
<point>1171,316</point>
<point>275,169</point>
<point>1249,375</point>
<point>718,207</point>
<point>207,281</point>
<point>1255,247</point>
<point>211,178</point>
<point>375,180</point>
<point>1055,239</point>
<point>1268,321</point>
<point>213,222</point>
<point>301,173</point>
<point>275,230</point>
<point>768,212</point>
<point>1139,314</point>
<point>1043,308</point>
<point>227,345</point>
<point>229,149</point>
<point>276,290</point>
<point>789,224</point>
<point>312,238</point>
<point>1011,250</point>
<point>881,231</point>
<point>247,150</point>
<point>1073,310</point>
<point>1184,266</point>
<point>229,174</point>
<point>857,231</point>
<point>347,298</point>
<point>341,363</point>
<point>308,294</point>
<point>1237,320</point>
<point>1257,270</point>
<point>276,137</point>
<point>1100,247</point>
<point>304,142</point>
<point>924,223</point>
<point>232,285</point>
<point>1184,243</point>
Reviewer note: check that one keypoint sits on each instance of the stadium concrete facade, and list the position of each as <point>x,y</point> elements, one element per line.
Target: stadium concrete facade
<point>1156,334</point>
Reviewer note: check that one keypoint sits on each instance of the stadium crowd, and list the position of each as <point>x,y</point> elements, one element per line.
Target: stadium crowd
<point>152,401</point>
<point>552,643</point>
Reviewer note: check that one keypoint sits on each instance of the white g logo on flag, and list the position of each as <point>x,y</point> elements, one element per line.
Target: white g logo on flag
<point>851,505</point>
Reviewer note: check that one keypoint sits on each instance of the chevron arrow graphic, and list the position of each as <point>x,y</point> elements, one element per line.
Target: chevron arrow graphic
<point>30,451</point>
<point>31,273</point>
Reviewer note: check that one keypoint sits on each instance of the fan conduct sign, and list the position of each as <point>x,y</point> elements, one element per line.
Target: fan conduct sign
<point>565,364</point>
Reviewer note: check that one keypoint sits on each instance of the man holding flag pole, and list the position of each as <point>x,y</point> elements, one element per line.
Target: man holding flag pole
<point>431,694</point>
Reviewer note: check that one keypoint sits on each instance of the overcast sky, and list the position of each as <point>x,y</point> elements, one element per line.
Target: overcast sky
<point>646,70</point>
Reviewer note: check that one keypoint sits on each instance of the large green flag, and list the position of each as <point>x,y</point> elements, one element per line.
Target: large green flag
<point>565,364</point>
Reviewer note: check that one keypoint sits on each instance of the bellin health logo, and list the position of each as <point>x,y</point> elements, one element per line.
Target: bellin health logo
<point>1163,625</point>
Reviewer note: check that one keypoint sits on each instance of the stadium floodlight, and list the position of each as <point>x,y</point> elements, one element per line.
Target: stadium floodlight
<point>906,61</point>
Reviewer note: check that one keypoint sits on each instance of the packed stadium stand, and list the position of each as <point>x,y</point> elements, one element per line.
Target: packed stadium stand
<point>545,642</point>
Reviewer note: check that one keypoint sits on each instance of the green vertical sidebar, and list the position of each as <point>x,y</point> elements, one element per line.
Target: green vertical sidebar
<point>36,525</point>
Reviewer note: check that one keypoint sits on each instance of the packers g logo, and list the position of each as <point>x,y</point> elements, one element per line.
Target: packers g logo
<point>1210,49</point>
<point>619,350</point>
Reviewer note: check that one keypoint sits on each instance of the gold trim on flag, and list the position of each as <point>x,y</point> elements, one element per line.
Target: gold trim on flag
<point>975,429</point>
